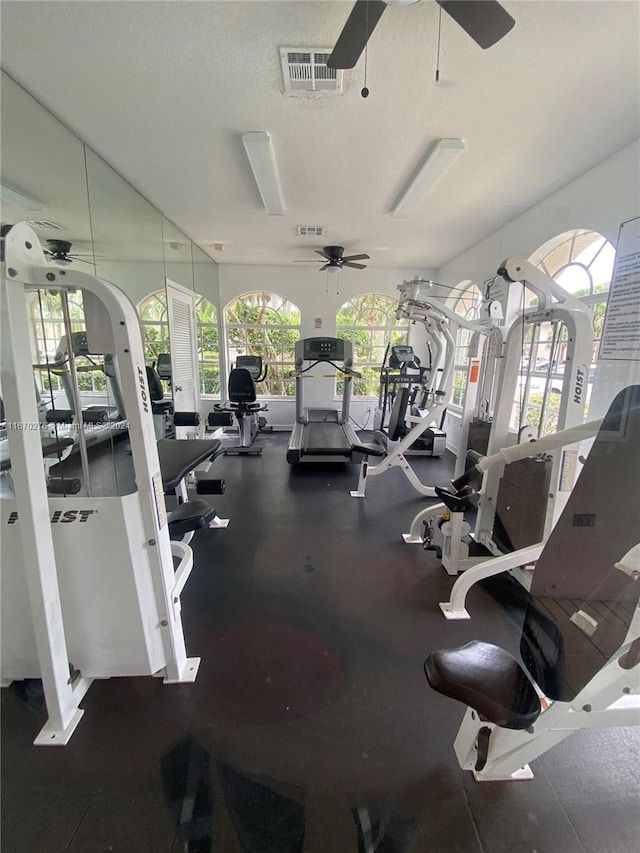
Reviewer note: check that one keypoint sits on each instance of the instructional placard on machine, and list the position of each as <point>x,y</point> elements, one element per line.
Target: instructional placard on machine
<point>621,333</point>
<point>158,495</point>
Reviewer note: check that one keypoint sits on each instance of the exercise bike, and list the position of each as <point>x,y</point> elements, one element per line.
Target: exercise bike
<point>242,405</point>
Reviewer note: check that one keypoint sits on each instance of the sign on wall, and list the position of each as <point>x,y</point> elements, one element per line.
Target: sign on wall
<point>621,333</point>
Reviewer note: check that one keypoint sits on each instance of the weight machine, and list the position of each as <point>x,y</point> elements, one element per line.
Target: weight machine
<point>580,644</point>
<point>569,324</point>
<point>417,304</point>
<point>89,584</point>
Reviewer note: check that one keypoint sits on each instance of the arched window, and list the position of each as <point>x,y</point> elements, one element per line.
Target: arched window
<point>468,306</point>
<point>369,322</point>
<point>48,329</point>
<point>581,261</point>
<point>267,325</point>
<point>155,334</point>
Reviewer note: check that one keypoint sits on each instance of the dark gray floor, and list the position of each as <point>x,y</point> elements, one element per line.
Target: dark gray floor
<point>313,620</point>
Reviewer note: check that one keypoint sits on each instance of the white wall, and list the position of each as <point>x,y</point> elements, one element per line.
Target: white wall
<point>599,200</point>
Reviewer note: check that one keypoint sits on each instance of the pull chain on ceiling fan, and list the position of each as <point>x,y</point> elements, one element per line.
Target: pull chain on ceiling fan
<point>485,21</point>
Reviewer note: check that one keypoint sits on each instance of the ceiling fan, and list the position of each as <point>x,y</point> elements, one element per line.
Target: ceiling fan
<point>59,251</point>
<point>335,259</point>
<point>486,21</point>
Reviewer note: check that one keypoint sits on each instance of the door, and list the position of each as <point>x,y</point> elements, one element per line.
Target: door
<point>183,343</point>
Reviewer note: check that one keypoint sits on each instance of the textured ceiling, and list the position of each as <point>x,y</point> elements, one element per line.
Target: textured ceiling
<point>164,90</point>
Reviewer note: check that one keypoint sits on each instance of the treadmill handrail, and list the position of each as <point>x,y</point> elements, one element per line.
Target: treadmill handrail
<point>346,370</point>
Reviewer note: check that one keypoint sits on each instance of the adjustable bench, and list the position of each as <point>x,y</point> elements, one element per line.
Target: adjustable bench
<point>177,460</point>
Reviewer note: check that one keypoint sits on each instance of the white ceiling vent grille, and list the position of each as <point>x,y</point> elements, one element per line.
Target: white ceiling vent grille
<point>310,230</point>
<point>305,71</point>
<point>44,225</point>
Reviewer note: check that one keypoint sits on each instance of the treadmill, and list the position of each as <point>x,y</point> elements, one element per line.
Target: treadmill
<point>323,435</point>
<point>106,421</point>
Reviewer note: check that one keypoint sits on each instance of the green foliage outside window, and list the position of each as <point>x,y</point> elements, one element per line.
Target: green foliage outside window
<point>155,333</point>
<point>265,324</point>
<point>48,329</point>
<point>370,323</point>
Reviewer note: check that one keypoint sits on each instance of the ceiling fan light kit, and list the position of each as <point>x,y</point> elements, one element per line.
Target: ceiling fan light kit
<point>259,150</point>
<point>440,159</point>
<point>59,252</point>
<point>336,259</point>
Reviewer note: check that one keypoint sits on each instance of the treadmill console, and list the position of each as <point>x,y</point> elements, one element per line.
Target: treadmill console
<point>78,342</point>
<point>323,349</point>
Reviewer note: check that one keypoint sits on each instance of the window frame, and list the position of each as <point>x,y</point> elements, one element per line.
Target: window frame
<point>463,343</point>
<point>39,326</point>
<point>567,248</point>
<point>285,367</point>
<point>388,333</point>
<point>163,324</point>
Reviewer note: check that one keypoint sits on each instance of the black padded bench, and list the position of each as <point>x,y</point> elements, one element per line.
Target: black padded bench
<point>190,516</point>
<point>178,458</point>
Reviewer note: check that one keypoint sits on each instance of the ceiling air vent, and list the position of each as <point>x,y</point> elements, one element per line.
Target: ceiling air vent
<point>44,225</point>
<point>310,230</point>
<point>305,71</point>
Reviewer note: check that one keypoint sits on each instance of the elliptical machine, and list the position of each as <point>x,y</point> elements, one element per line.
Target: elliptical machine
<point>404,390</point>
<point>242,404</point>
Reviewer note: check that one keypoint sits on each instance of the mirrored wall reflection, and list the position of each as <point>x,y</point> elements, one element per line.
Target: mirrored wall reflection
<point>89,219</point>
<point>43,178</point>
<point>206,284</point>
<point>127,232</point>
<point>178,260</point>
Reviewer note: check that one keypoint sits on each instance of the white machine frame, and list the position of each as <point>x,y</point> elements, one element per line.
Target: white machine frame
<point>97,598</point>
<point>555,305</point>
<point>516,561</point>
<point>417,303</point>
<point>609,700</point>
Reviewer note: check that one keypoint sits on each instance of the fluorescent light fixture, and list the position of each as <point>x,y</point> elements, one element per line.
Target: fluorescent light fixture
<point>15,197</point>
<point>263,164</point>
<point>440,158</point>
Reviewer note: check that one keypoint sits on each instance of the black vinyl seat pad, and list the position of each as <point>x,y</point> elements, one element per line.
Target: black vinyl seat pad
<point>487,679</point>
<point>189,516</point>
<point>178,458</point>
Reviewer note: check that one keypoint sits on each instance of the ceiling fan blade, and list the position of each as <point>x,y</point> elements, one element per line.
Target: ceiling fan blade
<point>486,21</point>
<point>325,267</point>
<point>355,266</point>
<point>307,262</point>
<point>323,253</point>
<point>355,33</point>
<point>356,258</point>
